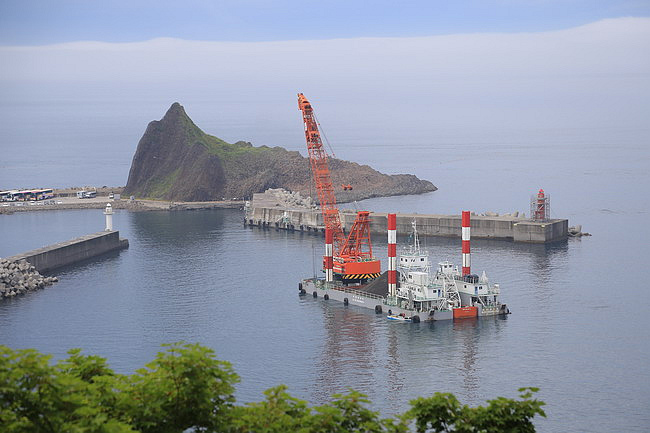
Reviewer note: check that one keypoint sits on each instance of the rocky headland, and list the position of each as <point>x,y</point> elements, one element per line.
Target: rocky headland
<point>176,161</point>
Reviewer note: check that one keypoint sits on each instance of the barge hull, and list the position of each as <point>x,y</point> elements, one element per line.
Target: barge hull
<point>351,295</point>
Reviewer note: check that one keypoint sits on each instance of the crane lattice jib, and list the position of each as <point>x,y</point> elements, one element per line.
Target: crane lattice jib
<point>322,177</point>
<point>359,239</point>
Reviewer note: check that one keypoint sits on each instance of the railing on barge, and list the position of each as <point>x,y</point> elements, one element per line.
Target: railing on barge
<point>322,284</point>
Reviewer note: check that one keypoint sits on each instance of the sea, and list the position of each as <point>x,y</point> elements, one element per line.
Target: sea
<point>580,323</point>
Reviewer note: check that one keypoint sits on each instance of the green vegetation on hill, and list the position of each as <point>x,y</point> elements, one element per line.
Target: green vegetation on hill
<point>159,186</point>
<point>215,145</point>
<point>186,387</point>
<point>225,150</point>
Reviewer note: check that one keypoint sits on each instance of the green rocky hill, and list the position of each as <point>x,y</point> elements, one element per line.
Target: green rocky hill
<point>175,160</point>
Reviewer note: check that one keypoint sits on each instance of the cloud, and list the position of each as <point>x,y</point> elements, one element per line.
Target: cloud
<point>606,46</point>
<point>588,74</point>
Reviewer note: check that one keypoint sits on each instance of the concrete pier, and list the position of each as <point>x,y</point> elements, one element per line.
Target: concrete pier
<point>487,227</point>
<point>66,253</point>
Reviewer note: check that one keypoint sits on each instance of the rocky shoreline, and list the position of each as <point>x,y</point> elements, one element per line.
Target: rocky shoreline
<point>130,205</point>
<point>18,278</point>
<point>65,199</point>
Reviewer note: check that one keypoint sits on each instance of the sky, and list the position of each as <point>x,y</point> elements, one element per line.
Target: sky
<point>89,76</point>
<point>38,22</point>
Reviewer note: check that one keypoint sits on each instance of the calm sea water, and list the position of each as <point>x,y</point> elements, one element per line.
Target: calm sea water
<point>580,328</point>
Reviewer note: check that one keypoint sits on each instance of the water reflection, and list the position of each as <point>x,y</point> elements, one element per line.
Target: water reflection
<point>181,228</point>
<point>348,350</point>
<point>393,365</point>
<point>395,362</point>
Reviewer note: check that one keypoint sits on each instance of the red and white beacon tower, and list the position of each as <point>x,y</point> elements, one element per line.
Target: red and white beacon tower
<point>466,225</point>
<point>392,255</point>
<point>540,206</point>
<point>328,260</point>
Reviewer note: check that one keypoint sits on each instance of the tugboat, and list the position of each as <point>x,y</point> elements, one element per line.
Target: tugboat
<point>414,293</point>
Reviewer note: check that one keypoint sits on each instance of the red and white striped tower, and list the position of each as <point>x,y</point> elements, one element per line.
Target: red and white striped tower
<point>328,260</point>
<point>465,238</point>
<point>392,254</point>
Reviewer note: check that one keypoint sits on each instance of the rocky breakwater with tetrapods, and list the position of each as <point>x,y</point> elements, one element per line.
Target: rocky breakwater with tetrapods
<point>17,278</point>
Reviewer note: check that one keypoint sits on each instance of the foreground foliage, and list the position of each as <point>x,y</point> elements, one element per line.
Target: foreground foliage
<point>187,387</point>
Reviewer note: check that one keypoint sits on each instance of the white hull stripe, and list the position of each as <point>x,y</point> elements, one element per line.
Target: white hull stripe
<point>392,236</point>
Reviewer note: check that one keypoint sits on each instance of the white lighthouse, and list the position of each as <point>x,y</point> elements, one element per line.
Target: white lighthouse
<point>109,217</point>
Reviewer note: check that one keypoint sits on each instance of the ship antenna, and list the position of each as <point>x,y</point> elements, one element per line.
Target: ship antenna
<point>416,239</point>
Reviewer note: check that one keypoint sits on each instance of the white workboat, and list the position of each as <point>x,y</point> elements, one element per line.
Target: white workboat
<point>399,317</point>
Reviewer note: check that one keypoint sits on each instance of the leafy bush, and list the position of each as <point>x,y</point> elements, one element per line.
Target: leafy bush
<point>186,387</point>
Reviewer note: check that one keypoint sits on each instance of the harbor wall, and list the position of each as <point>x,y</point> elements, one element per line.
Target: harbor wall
<point>66,253</point>
<point>486,227</point>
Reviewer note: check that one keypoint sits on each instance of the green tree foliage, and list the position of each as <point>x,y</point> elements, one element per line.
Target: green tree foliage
<point>183,387</point>
<point>444,413</point>
<point>71,396</point>
<point>186,387</point>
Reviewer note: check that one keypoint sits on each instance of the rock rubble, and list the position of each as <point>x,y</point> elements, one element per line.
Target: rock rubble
<point>17,278</point>
<point>291,199</point>
<point>576,231</point>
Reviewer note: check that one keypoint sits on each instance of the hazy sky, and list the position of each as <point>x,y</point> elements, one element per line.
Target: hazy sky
<point>45,21</point>
<point>592,75</point>
<point>409,75</point>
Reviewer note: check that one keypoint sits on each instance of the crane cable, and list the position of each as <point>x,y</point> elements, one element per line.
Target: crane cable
<point>322,131</point>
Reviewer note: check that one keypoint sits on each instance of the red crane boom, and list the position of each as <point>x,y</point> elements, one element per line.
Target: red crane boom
<point>353,260</point>
<point>321,173</point>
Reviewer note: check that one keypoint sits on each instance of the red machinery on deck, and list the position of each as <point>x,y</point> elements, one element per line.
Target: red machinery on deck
<point>353,259</point>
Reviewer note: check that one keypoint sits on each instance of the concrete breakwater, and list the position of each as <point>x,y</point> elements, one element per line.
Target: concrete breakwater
<point>21,273</point>
<point>264,213</point>
<point>17,278</point>
<point>66,253</point>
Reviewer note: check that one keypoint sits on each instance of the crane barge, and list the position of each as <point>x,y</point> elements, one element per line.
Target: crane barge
<point>417,294</point>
